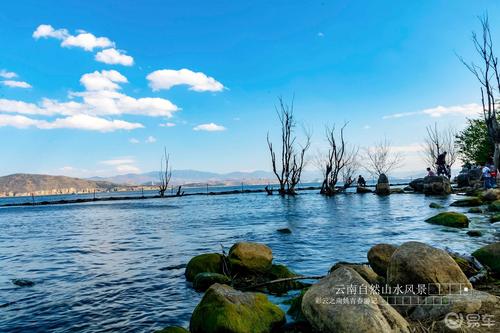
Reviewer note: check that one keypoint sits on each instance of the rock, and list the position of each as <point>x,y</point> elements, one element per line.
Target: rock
<point>468,178</point>
<point>465,265</point>
<point>450,219</point>
<point>379,257</point>
<point>436,185</point>
<point>474,233</point>
<point>467,202</point>
<point>284,231</point>
<point>383,187</point>
<point>23,283</point>
<point>363,190</point>
<point>475,210</point>
<point>282,272</point>
<point>250,257</point>
<point>203,281</point>
<point>494,206</point>
<point>473,301</point>
<point>209,263</point>
<point>173,329</point>
<point>372,314</point>
<point>415,263</point>
<point>397,191</point>
<point>495,218</point>
<point>489,255</point>
<point>417,185</point>
<point>408,189</point>
<point>435,205</point>
<point>365,271</point>
<point>490,195</point>
<point>224,309</point>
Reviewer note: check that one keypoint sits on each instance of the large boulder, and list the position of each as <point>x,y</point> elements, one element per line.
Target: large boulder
<point>450,219</point>
<point>209,262</point>
<point>467,202</point>
<point>365,271</point>
<point>415,263</point>
<point>359,313</point>
<point>468,178</point>
<point>224,309</point>
<point>203,281</point>
<point>436,185</point>
<point>417,185</point>
<point>489,255</point>
<point>379,257</point>
<point>490,195</point>
<point>383,187</point>
<point>250,257</point>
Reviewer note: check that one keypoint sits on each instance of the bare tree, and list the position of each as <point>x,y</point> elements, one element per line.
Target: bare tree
<point>381,159</point>
<point>437,142</point>
<point>292,159</point>
<point>337,162</point>
<point>488,75</point>
<point>165,173</point>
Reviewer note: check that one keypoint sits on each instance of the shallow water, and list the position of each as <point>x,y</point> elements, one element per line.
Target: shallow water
<point>107,266</point>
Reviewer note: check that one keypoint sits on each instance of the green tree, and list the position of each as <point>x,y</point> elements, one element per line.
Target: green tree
<point>473,143</point>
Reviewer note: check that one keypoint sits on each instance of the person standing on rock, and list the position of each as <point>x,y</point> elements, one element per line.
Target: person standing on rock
<point>441,164</point>
<point>430,173</point>
<point>361,181</point>
<point>486,176</point>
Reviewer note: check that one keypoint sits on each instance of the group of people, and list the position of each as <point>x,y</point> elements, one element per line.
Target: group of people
<point>488,170</point>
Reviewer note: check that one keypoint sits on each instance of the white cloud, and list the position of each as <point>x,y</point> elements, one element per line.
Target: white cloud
<point>197,81</point>
<point>133,141</point>
<point>127,169</point>
<point>16,84</point>
<point>67,168</point>
<point>122,165</point>
<point>104,80</point>
<point>472,109</point>
<point>114,57</point>
<point>46,31</point>
<point>16,121</point>
<point>151,139</point>
<point>168,125</point>
<point>119,161</point>
<point>7,75</point>
<point>211,127</point>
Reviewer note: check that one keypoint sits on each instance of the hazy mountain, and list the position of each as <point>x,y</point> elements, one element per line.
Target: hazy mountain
<point>30,183</point>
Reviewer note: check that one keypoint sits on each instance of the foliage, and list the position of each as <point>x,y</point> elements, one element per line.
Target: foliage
<point>473,143</point>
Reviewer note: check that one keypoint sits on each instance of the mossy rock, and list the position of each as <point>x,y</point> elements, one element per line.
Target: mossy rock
<point>495,218</point>
<point>467,202</point>
<point>203,281</point>
<point>450,219</point>
<point>278,271</point>
<point>247,257</point>
<point>489,255</point>
<point>475,210</point>
<point>173,329</point>
<point>466,266</point>
<point>224,309</point>
<point>435,205</point>
<point>494,206</point>
<point>209,263</point>
<point>474,233</point>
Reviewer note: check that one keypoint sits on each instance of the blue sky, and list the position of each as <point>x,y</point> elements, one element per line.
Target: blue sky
<point>96,80</point>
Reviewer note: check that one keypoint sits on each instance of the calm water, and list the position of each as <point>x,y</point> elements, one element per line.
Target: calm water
<point>110,266</point>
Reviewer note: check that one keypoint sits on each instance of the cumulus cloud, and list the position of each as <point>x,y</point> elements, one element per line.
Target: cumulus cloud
<point>47,31</point>
<point>7,75</point>
<point>151,139</point>
<point>114,57</point>
<point>122,165</point>
<point>472,109</point>
<point>89,109</point>
<point>84,40</point>
<point>197,81</point>
<point>16,84</point>
<point>211,127</point>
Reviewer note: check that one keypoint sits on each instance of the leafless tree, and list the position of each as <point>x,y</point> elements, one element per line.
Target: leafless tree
<point>436,142</point>
<point>337,162</point>
<point>292,159</point>
<point>165,173</point>
<point>381,159</point>
<point>488,75</point>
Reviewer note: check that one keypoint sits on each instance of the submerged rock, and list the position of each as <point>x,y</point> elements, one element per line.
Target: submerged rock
<point>397,191</point>
<point>475,210</point>
<point>371,314</point>
<point>363,190</point>
<point>435,205</point>
<point>379,257</point>
<point>450,219</point>
<point>23,283</point>
<point>203,281</point>
<point>224,309</point>
<point>489,255</point>
<point>250,257</point>
<point>474,233</point>
<point>494,206</point>
<point>284,231</point>
<point>204,263</point>
<point>467,202</point>
<point>173,329</point>
<point>495,218</point>
<point>415,263</point>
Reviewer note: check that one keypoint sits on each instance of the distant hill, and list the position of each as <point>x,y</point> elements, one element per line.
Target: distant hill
<point>33,183</point>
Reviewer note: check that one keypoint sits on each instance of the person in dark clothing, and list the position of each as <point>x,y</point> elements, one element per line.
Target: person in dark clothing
<point>361,181</point>
<point>441,164</point>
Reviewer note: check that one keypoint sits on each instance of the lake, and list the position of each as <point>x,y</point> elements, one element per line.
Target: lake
<point>119,265</point>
